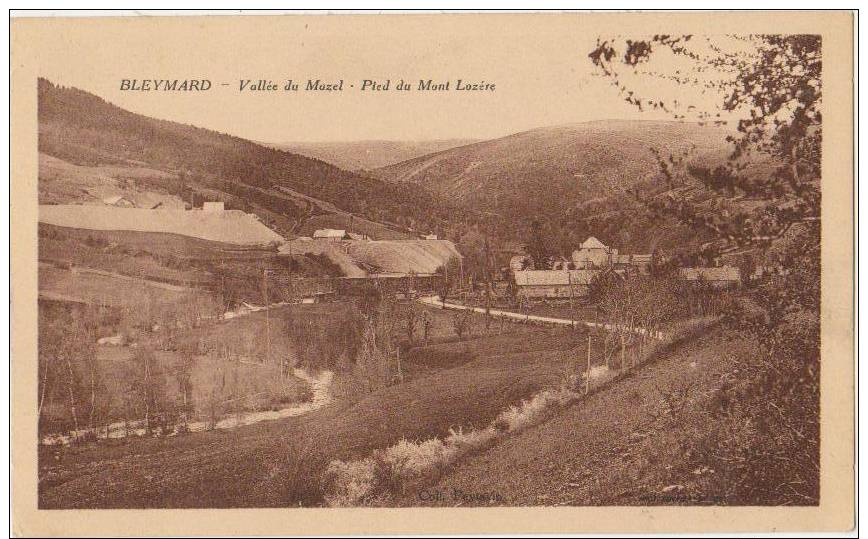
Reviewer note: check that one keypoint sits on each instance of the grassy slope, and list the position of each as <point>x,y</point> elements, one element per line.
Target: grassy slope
<point>279,463</point>
<point>618,448</point>
<point>172,258</point>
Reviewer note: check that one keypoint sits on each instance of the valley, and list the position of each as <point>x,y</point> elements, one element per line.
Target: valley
<point>228,324</point>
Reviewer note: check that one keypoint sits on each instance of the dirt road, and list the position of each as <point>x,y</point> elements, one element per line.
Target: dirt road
<point>521,317</point>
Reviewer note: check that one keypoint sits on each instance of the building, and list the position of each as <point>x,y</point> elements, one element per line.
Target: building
<point>429,237</point>
<point>212,206</point>
<point>330,234</point>
<point>554,283</point>
<point>720,277</point>
<point>592,254</point>
<point>640,262</point>
<point>119,201</point>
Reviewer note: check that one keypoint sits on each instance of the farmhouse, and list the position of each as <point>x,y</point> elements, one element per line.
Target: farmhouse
<point>721,277</point>
<point>591,254</point>
<point>595,254</point>
<point>640,262</point>
<point>553,283</point>
<point>212,206</point>
<point>330,234</point>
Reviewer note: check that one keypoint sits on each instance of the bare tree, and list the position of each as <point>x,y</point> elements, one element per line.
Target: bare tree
<point>461,321</point>
<point>411,317</point>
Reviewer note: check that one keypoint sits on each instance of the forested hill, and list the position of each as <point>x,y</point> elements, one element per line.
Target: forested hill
<point>576,180</point>
<point>84,129</point>
<point>369,154</point>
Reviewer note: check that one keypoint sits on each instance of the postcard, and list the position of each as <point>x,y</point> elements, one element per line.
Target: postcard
<point>379,273</point>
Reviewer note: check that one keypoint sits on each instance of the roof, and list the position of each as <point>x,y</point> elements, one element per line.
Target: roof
<point>115,199</point>
<point>554,277</point>
<point>329,233</point>
<point>593,243</point>
<point>723,273</point>
<point>632,259</point>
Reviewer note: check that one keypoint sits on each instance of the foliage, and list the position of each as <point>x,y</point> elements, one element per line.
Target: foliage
<point>538,246</point>
<point>68,375</point>
<point>770,85</point>
<point>767,434</point>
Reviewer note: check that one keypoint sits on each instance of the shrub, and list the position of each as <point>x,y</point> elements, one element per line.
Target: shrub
<point>472,440</point>
<point>532,411</point>
<point>407,462</point>
<point>348,484</point>
<point>390,471</point>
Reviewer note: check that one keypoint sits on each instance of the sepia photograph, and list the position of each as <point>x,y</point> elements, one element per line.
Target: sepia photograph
<point>463,261</point>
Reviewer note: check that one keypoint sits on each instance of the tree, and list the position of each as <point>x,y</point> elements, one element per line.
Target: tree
<point>149,386</point>
<point>461,320</point>
<point>769,85</point>
<point>68,370</point>
<point>449,275</point>
<point>538,246</point>
<point>411,320</point>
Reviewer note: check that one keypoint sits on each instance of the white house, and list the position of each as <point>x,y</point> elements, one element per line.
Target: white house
<point>592,254</point>
<point>212,206</point>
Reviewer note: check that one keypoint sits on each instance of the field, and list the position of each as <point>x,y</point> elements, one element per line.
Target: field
<point>230,226</point>
<point>408,256</point>
<point>103,288</point>
<point>62,182</point>
<point>231,272</point>
<point>449,383</point>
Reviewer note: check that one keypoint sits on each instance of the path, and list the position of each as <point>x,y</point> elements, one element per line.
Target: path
<point>434,301</point>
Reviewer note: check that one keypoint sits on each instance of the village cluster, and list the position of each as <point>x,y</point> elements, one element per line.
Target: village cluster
<point>392,260</point>
<point>573,277</point>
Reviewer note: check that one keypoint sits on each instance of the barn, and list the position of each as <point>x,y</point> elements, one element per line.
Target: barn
<point>552,284</point>
<point>330,234</point>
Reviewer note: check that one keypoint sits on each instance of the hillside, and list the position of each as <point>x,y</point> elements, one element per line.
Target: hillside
<point>84,130</point>
<point>576,179</point>
<point>666,436</point>
<point>226,226</point>
<point>368,154</point>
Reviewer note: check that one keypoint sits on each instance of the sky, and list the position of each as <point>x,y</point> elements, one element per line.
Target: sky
<point>539,66</point>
